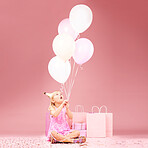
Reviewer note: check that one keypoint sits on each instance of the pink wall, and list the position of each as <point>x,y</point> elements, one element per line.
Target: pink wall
<point>117,74</point>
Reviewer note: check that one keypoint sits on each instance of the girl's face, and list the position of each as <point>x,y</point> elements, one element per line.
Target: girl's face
<point>58,97</point>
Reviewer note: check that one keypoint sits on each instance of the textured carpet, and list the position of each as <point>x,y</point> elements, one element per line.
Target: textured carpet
<point>138,141</point>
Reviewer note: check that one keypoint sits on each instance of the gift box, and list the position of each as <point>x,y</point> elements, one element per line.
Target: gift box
<point>83,126</point>
<point>79,126</point>
<point>79,120</point>
<point>83,133</point>
<point>99,124</point>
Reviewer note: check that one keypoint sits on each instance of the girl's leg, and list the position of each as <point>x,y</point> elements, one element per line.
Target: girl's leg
<point>76,134</point>
<point>73,134</point>
<point>60,137</point>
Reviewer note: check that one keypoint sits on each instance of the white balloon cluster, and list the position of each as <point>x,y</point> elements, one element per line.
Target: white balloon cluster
<point>67,43</point>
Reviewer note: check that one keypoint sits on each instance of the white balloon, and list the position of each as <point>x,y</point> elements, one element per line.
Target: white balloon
<point>80,17</point>
<point>59,70</point>
<point>63,46</point>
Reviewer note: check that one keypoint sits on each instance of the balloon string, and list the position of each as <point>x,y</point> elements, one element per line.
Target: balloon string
<point>69,80</point>
<point>72,76</point>
<point>64,90</point>
<point>73,80</point>
<point>77,37</point>
<point>75,76</point>
<point>70,83</point>
<point>73,68</point>
<point>65,87</point>
<point>73,65</point>
<point>61,88</point>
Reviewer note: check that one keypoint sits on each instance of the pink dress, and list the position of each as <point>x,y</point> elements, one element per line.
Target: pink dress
<point>59,124</point>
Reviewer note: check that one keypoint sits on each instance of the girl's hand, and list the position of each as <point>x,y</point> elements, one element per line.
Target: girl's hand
<point>64,102</point>
<point>67,106</point>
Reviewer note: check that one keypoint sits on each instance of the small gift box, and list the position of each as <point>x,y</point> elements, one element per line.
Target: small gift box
<point>83,126</point>
<point>79,120</point>
<point>77,126</point>
<point>83,133</point>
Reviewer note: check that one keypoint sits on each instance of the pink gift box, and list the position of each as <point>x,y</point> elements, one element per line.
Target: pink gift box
<point>83,126</point>
<point>83,133</point>
<point>77,126</point>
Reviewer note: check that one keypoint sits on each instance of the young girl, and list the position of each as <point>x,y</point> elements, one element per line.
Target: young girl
<point>59,130</point>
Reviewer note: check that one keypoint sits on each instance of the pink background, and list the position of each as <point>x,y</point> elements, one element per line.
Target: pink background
<point>117,74</point>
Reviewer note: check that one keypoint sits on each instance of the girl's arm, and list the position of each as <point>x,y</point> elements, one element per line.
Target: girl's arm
<point>54,112</point>
<point>68,112</point>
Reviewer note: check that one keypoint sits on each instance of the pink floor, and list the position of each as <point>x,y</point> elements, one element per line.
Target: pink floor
<point>121,141</point>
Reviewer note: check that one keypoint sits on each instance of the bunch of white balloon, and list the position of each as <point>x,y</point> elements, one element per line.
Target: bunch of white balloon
<point>68,44</point>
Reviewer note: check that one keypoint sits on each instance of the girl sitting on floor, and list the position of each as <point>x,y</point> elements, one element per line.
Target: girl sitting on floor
<point>59,130</point>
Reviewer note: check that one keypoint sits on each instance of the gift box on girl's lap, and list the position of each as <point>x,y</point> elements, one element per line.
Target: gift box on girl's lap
<point>99,124</point>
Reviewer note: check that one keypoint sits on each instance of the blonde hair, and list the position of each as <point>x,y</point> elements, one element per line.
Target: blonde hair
<point>51,96</point>
<point>51,103</point>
